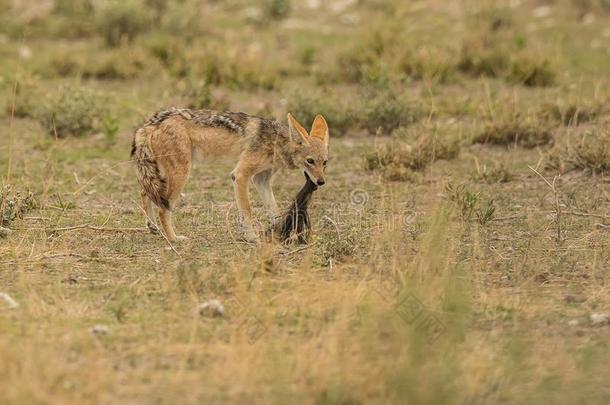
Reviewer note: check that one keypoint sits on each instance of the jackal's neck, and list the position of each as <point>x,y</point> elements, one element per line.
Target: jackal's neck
<point>284,147</point>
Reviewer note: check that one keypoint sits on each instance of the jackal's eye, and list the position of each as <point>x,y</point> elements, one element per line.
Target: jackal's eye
<point>310,161</point>
<point>325,162</point>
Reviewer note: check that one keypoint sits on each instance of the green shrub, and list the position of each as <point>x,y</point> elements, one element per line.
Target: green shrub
<point>117,64</point>
<point>277,9</point>
<point>589,151</point>
<point>570,113</point>
<point>477,60</point>
<point>467,202</point>
<point>77,111</point>
<point>487,48</point>
<point>515,131</point>
<point>388,111</point>
<point>25,100</point>
<point>373,58</point>
<point>14,203</point>
<point>181,18</point>
<point>493,173</point>
<point>304,105</point>
<point>428,64</point>
<point>73,7</point>
<point>199,95</point>
<point>410,151</point>
<point>110,128</point>
<point>218,65</point>
<point>62,65</point>
<point>122,20</point>
<point>532,72</point>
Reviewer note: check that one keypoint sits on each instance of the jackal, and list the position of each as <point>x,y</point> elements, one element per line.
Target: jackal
<point>164,147</point>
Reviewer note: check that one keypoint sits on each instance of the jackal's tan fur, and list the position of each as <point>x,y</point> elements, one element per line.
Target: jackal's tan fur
<point>163,149</point>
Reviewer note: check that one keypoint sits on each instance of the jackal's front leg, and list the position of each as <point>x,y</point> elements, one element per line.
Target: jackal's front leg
<point>262,181</point>
<point>241,179</point>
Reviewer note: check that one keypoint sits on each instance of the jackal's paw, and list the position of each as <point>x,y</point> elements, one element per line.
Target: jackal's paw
<point>248,235</point>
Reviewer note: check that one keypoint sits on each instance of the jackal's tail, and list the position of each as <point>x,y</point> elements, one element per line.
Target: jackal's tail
<point>149,176</point>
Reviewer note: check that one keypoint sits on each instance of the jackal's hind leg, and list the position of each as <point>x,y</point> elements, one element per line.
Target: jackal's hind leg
<point>241,176</point>
<point>149,210</point>
<point>168,229</point>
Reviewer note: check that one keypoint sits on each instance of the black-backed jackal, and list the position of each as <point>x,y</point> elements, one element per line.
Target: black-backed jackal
<point>164,147</point>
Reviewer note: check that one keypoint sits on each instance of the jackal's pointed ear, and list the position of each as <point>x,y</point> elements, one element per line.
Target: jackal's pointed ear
<point>297,132</point>
<point>319,129</point>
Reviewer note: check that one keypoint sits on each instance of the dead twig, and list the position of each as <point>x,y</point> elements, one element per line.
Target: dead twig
<point>297,250</point>
<point>586,214</point>
<point>556,198</point>
<point>92,227</point>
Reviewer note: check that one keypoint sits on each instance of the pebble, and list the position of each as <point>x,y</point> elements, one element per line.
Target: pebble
<point>211,308</point>
<point>10,302</point>
<point>4,232</point>
<point>99,330</point>
<point>599,319</point>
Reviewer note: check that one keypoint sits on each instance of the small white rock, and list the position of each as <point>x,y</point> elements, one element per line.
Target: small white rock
<point>25,52</point>
<point>573,322</point>
<point>99,330</point>
<point>4,232</point>
<point>599,319</point>
<point>10,302</point>
<point>542,11</point>
<point>211,308</point>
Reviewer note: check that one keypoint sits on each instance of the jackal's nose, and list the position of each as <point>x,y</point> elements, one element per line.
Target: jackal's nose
<point>321,182</point>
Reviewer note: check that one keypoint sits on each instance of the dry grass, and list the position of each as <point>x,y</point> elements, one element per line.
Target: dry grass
<point>473,282</point>
<point>517,132</point>
<point>588,151</point>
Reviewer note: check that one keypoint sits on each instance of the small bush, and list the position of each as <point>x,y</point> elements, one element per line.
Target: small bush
<point>122,20</point>
<point>110,128</point>
<point>277,9</point>
<point>14,203</point>
<point>199,95</point>
<point>181,18</point>
<point>469,203</point>
<point>388,111</point>
<point>494,173</point>
<point>118,64</point>
<point>589,152</point>
<point>515,131</point>
<point>336,247</point>
<point>374,56</point>
<point>77,111</point>
<point>25,102</point>
<point>532,72</point>
<point>354,65</point>
<point>218,65</point>
<point>476,60</point>
<point>305,105</point>
<point>429,64</point>
<point>73,7</point>
<point>487,50</point>
<point>465,199</point>
<point>400,158</point>
<point>571,114</point>
<point>171,53</point>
